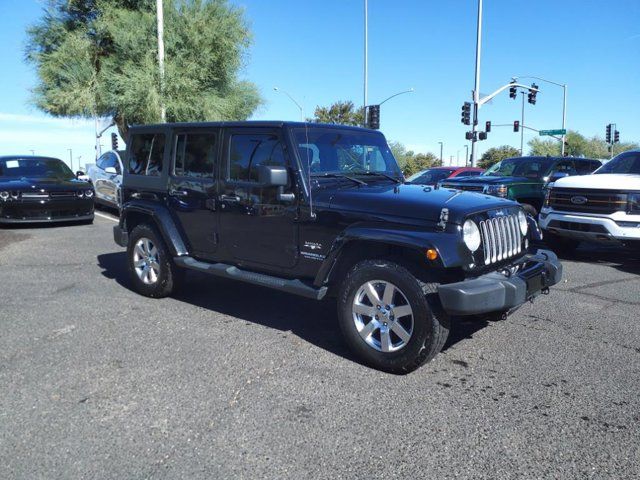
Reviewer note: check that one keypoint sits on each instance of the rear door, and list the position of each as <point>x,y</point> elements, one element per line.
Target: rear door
<point>192,187</point>
<point>256,225</point>
<point>106,183</point>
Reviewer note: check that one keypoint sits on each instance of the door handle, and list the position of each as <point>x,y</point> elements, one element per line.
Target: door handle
<point>178,193</point>
<point>230,198</point>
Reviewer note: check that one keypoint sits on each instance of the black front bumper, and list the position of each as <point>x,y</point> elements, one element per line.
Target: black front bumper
<point>47,211</point>
<point>505,289</point>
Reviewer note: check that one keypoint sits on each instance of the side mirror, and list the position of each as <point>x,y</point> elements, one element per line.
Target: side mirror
<point>271,176</point>
<point>555,176</point>
<point>79,174</point>
<point>111,170</point>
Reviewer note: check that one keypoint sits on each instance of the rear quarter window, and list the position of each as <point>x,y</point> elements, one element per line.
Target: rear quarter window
<point>146,154</point>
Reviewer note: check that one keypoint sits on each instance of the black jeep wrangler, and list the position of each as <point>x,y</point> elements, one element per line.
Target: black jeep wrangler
<point>319,210</point>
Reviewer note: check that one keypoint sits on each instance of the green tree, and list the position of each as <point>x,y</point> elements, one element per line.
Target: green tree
<point>341,112</point>
<point>420,161</point>
<point>496,154</point>
<point>99,58</point>
<point>577,146</point>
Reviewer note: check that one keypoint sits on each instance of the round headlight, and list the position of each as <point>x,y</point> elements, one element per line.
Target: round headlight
<point>522,220</point>
<point>15,195</point>
<point>4,196</point>
<point>471,235</point>
<point>88,193</point>
<point>80,194</point>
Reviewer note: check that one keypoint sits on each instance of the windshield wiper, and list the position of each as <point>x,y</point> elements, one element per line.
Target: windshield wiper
<point>339,175</point>
<point>382,174</point>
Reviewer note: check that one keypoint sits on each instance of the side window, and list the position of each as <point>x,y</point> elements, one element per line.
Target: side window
<point>248,152</point>
<point>146,154</point>
<point>468,173</point>
<point>585,167</point>
<point>195,155</point>
<point>565,166</point>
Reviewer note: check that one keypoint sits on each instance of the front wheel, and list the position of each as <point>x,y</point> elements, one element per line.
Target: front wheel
<point>389,318</point>
<point>151,267</point>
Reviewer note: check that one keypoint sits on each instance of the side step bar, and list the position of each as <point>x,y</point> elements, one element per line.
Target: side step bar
<point>229,271</point>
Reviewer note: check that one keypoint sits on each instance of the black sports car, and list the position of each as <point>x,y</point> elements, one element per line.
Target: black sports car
<point>42,189</point>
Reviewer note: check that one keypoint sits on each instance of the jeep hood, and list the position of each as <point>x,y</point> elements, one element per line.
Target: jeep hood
<point>605,181</point>
<point>489,180</point>
<point>414,201</point>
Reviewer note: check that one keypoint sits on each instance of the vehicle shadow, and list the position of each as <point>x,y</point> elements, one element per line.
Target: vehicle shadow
<point>312,321</point>
<point>623,259</point>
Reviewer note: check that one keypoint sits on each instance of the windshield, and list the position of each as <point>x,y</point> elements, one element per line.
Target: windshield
<point>430,176</point>
<point>35,168</point>
<point>334,151</point>
<point>628,162</point>
<point>521,167</point>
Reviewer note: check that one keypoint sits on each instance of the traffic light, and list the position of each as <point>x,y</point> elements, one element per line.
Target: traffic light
<point>533,91</point>
<point>513,91</point>
<point>466,113</point>
<point>516,125</point>
<point>482,135</point>
<point>616,136</point>
<point>373,114</point>
<point>114,141</point>
<point>468,135</point>
<point>487,127</point>
<point>609,133</point>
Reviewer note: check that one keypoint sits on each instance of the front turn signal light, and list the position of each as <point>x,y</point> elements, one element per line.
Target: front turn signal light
<point>432,254</point>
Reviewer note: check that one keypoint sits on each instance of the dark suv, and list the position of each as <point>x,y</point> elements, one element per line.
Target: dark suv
<point>321,210</point>
<point>524,179</point>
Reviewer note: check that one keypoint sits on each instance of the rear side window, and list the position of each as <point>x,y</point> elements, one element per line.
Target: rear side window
<point>195,155</point>
<point>146,154</point>
<point>108,160</point>
<point>248,152</point>
<point>469,173</point>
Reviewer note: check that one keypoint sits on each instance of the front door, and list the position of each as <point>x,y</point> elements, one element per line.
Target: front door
<point>192,188</point>
<point>257,223</point>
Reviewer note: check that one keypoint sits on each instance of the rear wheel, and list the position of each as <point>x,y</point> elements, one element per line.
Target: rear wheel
<point>151,267</point>
<point>389,318</point>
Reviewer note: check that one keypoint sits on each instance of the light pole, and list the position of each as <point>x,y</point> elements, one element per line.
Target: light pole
<point>70,158</point>
<point>466,156</point>
<point>366,61</point>
<point>395,95</point>
<point>33,152</point>
<point>564,101</point>
<point>441,144</point>
<point>160,20</point>
<point>457,158</point>
<point>293,100</point>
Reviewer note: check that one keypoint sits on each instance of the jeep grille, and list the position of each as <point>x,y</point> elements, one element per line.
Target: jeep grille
<point>501,238</point>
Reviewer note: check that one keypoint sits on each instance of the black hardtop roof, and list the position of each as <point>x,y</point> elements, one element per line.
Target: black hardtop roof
<point>543,157</point>
<point>27,157</point>
<point>249,124</point>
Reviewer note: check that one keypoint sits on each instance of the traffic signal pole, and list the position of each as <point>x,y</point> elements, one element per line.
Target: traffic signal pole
<point>476,88</point>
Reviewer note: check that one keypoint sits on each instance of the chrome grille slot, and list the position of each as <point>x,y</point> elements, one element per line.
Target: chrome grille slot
<point>501,238</point>
<point>35,195</point>
<point>62,194</point>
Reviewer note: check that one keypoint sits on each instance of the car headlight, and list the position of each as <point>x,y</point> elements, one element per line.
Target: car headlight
<point>471,235</point>
<point>497,190</point>
<point>522,220</point>
<point>15,195</point>
<point>88,193</point>
<point>4,196</point>
<point>633,203</point>
<point>547,197</point>
<point>79,193</point>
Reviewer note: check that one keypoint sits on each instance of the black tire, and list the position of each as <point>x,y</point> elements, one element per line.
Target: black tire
<point>560,244</point>
<point>430,323</point>
<point>170,276</point>
<point>530,209</point>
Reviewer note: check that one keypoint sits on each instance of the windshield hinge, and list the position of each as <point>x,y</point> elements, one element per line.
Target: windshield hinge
<point>444,218</point>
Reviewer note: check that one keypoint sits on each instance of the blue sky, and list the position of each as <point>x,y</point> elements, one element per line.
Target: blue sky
<point>313,49</point>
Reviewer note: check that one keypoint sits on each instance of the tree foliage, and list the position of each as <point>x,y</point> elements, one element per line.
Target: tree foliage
<point>577,146</point>
<point>496,154</point>
<point>341,112</point>
<point>411,162</point>
<point>99,58</point>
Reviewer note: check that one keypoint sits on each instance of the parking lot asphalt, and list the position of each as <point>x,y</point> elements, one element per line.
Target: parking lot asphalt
<point>228,380</point>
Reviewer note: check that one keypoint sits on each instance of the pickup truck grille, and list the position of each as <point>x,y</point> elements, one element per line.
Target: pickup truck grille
<point>501,238</point>
<point>587,201</point>
<point>466,188</point>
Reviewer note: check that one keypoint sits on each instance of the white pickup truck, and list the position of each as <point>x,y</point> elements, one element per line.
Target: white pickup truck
<point>602,207</point>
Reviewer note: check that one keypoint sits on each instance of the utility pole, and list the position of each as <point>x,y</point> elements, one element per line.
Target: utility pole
<point>160,18</point>
<point>450,160</point>
<point>441,144</point>
<point>476,88</point>
<point>522,127</point>
<point>366,62</point>
<point>70,158</point>
<point>466,156</point>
